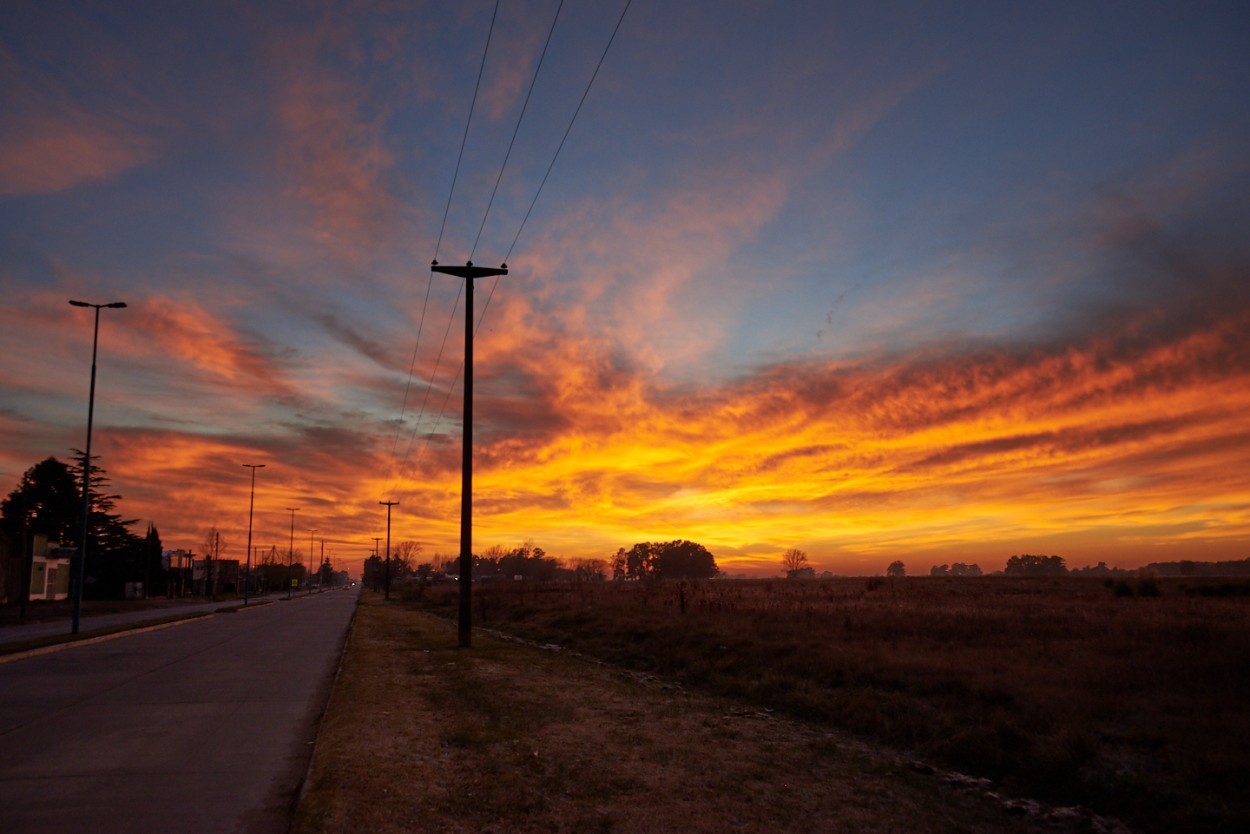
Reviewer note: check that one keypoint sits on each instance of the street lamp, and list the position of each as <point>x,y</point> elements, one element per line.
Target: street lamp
<point>251,502</point>
<point>80,572</point>
<point>386,583</point>
<point>468,272</point>
<point>311,533</point>
<point>290,551</point>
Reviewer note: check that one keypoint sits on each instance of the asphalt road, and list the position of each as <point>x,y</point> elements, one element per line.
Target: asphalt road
<point>205,726</point>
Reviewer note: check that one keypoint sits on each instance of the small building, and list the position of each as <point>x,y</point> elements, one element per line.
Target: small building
<point>177,565</point>
<point>49,569</point>
<point>222,573</point>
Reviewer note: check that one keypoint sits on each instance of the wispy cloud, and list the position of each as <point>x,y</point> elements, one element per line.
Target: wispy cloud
<point>60,130</point>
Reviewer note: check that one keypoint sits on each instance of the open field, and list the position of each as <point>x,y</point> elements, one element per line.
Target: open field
<point>1066,690</point>
<point>510,737</point>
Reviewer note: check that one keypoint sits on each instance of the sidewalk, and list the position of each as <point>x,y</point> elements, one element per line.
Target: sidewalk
<point>16,632</point>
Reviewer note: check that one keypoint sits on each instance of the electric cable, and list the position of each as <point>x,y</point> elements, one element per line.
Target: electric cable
<point>465,138</point>
<point>560,147</point>
<point>516,130</point>
<point>438,244</point>
<point>437,362</point>
<point>412,365</point>
<point>568,129</point>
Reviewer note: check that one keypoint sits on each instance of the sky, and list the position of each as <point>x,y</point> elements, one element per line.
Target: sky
<point>937,282</point>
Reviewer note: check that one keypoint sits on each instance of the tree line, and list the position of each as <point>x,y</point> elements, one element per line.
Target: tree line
<point>48,502</point>
<point>643,561</point>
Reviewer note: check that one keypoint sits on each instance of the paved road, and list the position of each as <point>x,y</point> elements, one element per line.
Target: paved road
<point>205,726</point>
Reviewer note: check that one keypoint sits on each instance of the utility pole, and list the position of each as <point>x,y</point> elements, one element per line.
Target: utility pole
<point>469,273</point>
<point>251,502</point>
<point>290,553</point>
<point>386,582</point>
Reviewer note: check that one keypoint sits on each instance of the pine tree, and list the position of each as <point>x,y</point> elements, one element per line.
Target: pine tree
<point>47,500</point>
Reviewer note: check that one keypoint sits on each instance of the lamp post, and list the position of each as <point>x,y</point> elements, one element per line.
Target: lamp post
<point>251,503</point>
<point>80,571</point>
<point>386,582</point>
<point>290,551</point>
<point>311,533</point>
<point>468,272</point>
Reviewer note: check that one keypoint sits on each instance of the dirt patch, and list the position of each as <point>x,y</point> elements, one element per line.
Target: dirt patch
<point>507,737</point>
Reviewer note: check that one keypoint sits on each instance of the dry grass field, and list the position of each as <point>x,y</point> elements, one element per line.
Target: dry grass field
<point>1132,701</point>
<point>421,736</point>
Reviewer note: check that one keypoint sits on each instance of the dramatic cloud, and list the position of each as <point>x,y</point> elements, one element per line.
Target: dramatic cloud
<point>875,284</point>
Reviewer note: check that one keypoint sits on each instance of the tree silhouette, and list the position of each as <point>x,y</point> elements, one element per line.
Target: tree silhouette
<point>795,562</point>
<point>1030,565</point>
<point>670,560</point>
<point>48,500</point>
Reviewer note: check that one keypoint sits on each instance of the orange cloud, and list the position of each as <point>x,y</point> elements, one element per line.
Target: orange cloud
<point>184,330</point>
<point>1122,436</point>
<point>1128,446</point>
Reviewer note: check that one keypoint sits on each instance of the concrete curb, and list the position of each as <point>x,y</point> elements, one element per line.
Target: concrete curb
<point>89,641</point>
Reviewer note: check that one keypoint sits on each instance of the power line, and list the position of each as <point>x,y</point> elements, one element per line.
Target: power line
<point>515,131</point>
<point>452,387</point>
<point>464,139</point>
<point>403,409</point>
<point>568,129</point>
<point>443,227</point>
<point>438,361</point>
<point>585,94</point>
<point>554,157</point>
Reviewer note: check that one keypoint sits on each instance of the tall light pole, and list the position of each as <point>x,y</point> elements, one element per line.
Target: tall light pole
<point>311,533</point>
<point>290,552</point>
<point>468,272</point>
<point>80,572</point>
<point>386,583</point>
<point>251,503</point>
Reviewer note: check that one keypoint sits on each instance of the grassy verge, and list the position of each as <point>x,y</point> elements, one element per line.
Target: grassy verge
<point>1063,690</point>
<point>420,736</point>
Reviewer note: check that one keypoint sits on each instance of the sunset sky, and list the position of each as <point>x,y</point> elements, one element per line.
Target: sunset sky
<point>935,282</point>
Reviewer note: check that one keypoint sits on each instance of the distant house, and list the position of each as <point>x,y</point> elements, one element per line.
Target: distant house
<point>49,569</point>
<point>177,564</point>
<point>222,573</point>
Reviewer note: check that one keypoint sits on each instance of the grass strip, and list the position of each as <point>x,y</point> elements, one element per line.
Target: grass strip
<point>421,736</point>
